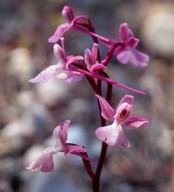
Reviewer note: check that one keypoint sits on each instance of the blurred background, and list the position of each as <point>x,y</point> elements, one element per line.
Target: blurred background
<point>29,113</point>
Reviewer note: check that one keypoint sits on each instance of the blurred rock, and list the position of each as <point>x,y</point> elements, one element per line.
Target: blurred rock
<point>20,64</point>
<point>52,91</point>
<point>158,30</point>
<point>52,182</point>
<point>15,137</point>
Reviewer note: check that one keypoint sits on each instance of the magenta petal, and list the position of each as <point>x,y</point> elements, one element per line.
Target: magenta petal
<point>132,42</point>
<point>123,32</point>
<point>73,149</point>
<point>45,75</point>
<point>61,29</point>
<point>97,66</point>
<point>73,59</point>
<point>135,122</point>
<point>107,111</point>
<point>68,14</point>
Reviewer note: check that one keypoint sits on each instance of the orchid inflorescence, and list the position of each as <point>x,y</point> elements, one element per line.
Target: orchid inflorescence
<point>90,65</point>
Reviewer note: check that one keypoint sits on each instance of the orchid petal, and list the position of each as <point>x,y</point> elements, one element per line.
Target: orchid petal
<point>135,122</point>
<point>95,52</point>
<point>124,57</point>
<point>107,111</point>
<point>73,59</point>
<point>124,32</point>
<point>74,149</point>
<point>60,55</point>
<point>44,161</point>
<point>112,135</point>
<point>132,42</point>
<point>70,76</point>
<point>88,58</point>
<point>60,133</point>
<point>97,66</point>
<point>68,14</point>
<point>45,75</point>
<point>122,113</point>
<point>61,29</point>
<point>129,99</point>
<point>124,109</point>
<point>139,59</point>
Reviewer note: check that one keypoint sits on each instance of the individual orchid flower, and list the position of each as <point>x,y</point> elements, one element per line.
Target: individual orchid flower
<point>60,70</point>
<point>113,134</point>
<point>126,52</point>
<point>45,161</point>
<point>90,58</point>
<point>70,22</point>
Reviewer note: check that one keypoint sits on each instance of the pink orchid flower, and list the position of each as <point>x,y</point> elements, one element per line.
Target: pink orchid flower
<point>61,67</point>
<point>90,58</point>
<point>45,160</point>
<point>70,22</point>
<point>113,134</point>
<point>127,52</point>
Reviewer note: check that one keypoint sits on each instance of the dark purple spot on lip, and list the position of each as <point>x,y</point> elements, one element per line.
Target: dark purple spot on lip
<point>123,114</point>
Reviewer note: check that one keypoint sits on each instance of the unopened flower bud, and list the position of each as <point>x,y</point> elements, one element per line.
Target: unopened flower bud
<point>68,14</point>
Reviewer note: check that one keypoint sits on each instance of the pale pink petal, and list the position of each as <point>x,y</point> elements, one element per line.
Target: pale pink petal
<point>44,161</point>
<point>135,122</point>
<point>59,53</point>
<point>107,111</point>
<point>124,57</point>
<point>122,138</point>
<point>88,58</point>
<point>60,133</point>
<point>70,76</point>
<point>107,134</point>
<point>126,99</point>
<point>112,135</point>
<point>45,75</point>
<point>133,56</point>
<point>61,29</point>
<point>139,59</point>
<point>95,52</point>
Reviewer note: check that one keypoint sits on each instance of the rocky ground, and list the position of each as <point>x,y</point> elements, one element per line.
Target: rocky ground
<point>29,113</point>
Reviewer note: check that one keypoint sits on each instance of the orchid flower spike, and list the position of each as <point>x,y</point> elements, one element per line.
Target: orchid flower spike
<point>127,52</point>
<point>62,67</point>
<point>113,134</point>
<point>45,161</point>
<point>70,23</point>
